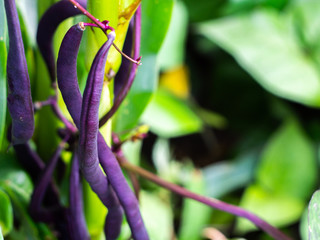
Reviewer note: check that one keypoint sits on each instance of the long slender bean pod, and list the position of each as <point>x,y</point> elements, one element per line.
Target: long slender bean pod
<point>88,153</point>
<point>19,97</point>
<point>76,216</point>
<point>67,71</point>
<point>48,24</point>
<point>33,164</point>
<point>39,191</point>
<point>69,87</point>
<point>123,191</point>
<point>68,84</point>
<point>129,71</point>
<point>112,226</point>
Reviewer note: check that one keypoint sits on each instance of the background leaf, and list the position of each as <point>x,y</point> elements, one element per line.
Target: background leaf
<point>288,164</point>
<point>155,22</point>
<point>279,65</point>
<point>286,176</point>
<point>169,116</point>
<point>313,217</point>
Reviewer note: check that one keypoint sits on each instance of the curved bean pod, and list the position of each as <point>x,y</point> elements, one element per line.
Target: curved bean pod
<point>34,165</point>
<point>39,191</point>
<point>67,77</point>
<point>48,24</point>
<point>69,87</point>
<point>127,72</point>
<point>77,221</point>
<point>19,97</point>
<point>68,84</point>
<point>88,152</point>
<point>126,196</point>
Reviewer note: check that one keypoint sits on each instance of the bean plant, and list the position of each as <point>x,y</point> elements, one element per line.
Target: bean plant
<point>88,159</point>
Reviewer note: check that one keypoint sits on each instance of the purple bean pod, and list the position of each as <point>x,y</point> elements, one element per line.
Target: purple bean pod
<point>33,164</point>
<point>126,197</point>
<point>88,151</point>
<point>69,87</point>
<point>77,221</point>
<point>68,84</point>
<point>37,198</point>
<point>19,96</point>
<point>127,72</point>
<point>48,24</point>
<point>88,131</point>
<point>112,226</point>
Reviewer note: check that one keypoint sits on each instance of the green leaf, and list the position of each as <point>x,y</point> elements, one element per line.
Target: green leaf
<point>169,116</point>
<point>155,21</point>
<point>264,44</point>
<point>13,177</point>
<point>6,213</point>
<point>157,216</point>
<point>313,217</point>
<point>28,10</point>
<point>173,48</point>
<point>279,210</point>
<point>139,95</point>
<point>156,17</point>
<point>288,165</point>
<point>17,184</point>
<point>195,215</point>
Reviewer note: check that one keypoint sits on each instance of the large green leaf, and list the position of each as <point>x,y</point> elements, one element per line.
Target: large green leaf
<point>3,82</point>
<point>288,165</point>
<point>286,176</point>
<point>169,116</point>
<point>313,217</point>
<point>264,44</point>
<point>6,213</point>
<point>155,21</point>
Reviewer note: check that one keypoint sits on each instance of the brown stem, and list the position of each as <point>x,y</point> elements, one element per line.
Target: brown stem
<point>215,203</point>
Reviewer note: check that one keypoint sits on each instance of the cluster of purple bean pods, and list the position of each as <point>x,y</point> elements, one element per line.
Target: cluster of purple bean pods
<point>89,147</point>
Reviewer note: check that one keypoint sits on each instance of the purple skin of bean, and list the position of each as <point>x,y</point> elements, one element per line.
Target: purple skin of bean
<point>76,217</point>
<point>36,210</point>
<point>127,71</point>
<point>68,84</point>
<point>69,87</point>
<point>48,24</point>
<point>88,131</point>
<point>88,151</point>
<point>19,96</point>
